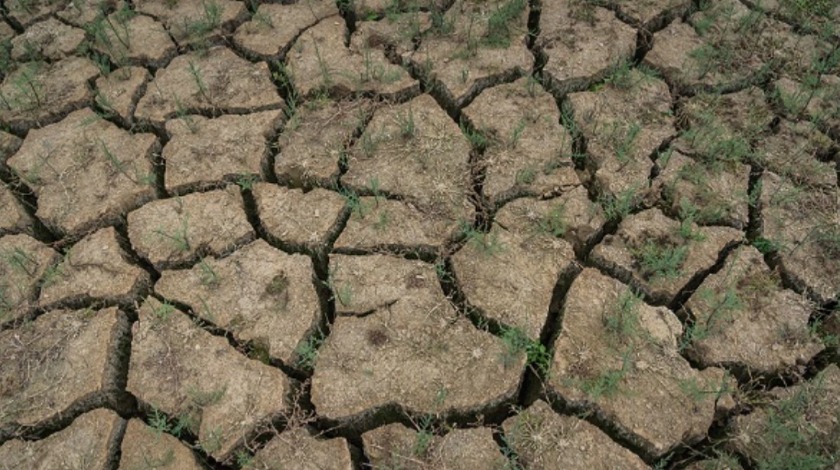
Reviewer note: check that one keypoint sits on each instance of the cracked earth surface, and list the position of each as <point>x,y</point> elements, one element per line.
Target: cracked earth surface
<point>459,234</point>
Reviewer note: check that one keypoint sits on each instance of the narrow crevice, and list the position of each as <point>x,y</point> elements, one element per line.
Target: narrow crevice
<point>348,12</point>
<point>114,452</point>
<point>534,14</point>
<point>501,440</point>
<point>252,215</point>
<point>358,457</point>
<point>592,414</point>
<point>120,402</point>
<point>754,227</point>
<point>697,279</point>
<point>247,348</point>
<point>536,374</point>
<point>13,23</point>
<point>166,423</point>
<point>483,83</point>
<point>686,454</point>
<point>426,253</point>
<point>130,255</point>
<point>29,201</point>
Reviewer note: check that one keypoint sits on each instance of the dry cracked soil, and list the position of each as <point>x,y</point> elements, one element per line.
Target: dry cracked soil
<point>419,234</point>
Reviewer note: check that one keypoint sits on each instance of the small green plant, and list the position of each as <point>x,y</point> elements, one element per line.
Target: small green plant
<point>718,309</point>
<point>355,204</point>
<point>201,399</point>
<point>486,243</point>
<point>263,20</point>
<point>621,319</point>
<point>688,216</point>
<point>517,342</point>
<point>525,176</point>
<point>53,272</point>
<point>617,207</point>
<point>244,459</point>
<point>517,132</point>
<point>207,275</point>
<point>476,138</point>
<point>307,351</point>
<point>790,436</point>
<point>27,86</point>
<point>21,261</point>
<point>326,76</point>
<point>500,22</point>
<point>210,19</point>
<point>246,182</point>
<point>608,383</point>
<point>177,238</point>
<point>623,140</point>
<point>554,222</point>
<point>423,438</point>
<point>159,422</point>
<point>406,123</point>
<point>212,442</point>
<point>658,260</point>
<point>198,78</point>
<point>163,311</point>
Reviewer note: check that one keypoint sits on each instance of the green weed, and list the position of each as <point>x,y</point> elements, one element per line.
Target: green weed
<point>307,352</point>
<point>608,383</point>
<point>486,243</point>
<point>659,261</point>
<point>499,23</point>
<point>207,275</point>
<point>621,319</point>
<point>517,342</point>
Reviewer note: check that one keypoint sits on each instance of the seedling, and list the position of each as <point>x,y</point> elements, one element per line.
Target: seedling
<point>178,238</point>
<point>474,136</point>
<point>621,319</point>
<point>499,23</point>
<point>307,352</point>
<point>657,261</point>
<point>517,342</point>
<point>554,223</point>
<point>406,123</point>
<point>486,243</point>
<point>326,77</point>
<point>163,311</point>
<point>212,442</point>
<point>207,275</point>
<point>195,72</point>
<point>619,206</point>
<point>623,140</point>
<point>201,399</point>
<point>28,89</point>
<point>22,261</point>
<point>517,132</point>
<point>608,382</point>
<point>526,176</point>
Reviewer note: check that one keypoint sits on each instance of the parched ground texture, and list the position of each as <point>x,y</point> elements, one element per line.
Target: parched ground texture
<point>419,234</point>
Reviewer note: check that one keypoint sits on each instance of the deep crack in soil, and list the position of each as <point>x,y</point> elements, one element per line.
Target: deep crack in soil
<point>419,234</point>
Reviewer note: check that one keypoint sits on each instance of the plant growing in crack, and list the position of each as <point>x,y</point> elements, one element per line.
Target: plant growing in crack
<point>517,342</point>
<point>307,352</point>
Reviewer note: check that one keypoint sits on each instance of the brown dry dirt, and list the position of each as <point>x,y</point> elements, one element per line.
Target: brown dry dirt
<point>419,234</point>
